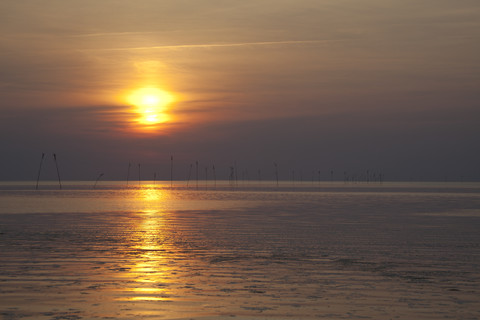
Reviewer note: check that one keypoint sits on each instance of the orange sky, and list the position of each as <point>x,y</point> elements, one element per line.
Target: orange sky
<point>232,64</point>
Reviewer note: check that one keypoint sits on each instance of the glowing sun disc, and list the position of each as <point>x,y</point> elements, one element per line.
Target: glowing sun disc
<point>151,105</point>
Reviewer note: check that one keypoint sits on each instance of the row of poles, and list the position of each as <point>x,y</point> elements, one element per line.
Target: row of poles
<point>155,174</point>
<point>101,174</point>
<point>196,174</point>
<point>189,174</point>
<point>233,178</point>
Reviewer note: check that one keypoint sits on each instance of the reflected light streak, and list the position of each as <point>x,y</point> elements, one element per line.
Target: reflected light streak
<point>150,268</point>
<point>150,193</point>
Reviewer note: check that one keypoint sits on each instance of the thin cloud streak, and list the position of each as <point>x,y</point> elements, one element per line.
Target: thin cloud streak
<point>220,45</point>
<point>111,34</point>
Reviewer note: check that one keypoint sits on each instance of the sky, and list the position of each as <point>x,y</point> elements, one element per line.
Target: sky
<point>387,86</point>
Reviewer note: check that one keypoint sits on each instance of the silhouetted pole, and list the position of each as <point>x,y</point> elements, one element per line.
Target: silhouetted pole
<point>196,166</point>
<point>236,173</point>
<point>206,177</point>
<point>189,174</point>
<point>128,172</point>
<point>171,171</point>
<point>96,181</point>
<point>40,170</point>
<point>58,172</point>
<point>232,177</point>
<point>154,177</point>
<point>276,171</point>
<point>331,175</point>
<point>214,177</point>
<point>139,174</point>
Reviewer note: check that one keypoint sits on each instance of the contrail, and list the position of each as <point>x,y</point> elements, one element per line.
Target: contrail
<point>217,45</point>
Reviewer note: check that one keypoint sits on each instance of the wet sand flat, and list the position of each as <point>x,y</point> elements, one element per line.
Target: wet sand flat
<point>375,253</point>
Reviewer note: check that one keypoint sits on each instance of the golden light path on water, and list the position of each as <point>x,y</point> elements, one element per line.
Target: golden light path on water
<point>150,269</point>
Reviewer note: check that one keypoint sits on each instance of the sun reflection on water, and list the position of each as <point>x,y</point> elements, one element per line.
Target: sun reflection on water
<point>149,268</point>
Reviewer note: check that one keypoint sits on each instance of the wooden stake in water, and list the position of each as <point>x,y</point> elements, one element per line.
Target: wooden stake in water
<point>189,174</point>
<point>206,177</point>
<point>96,181</point>
<point>171,171</point>
<point>58,172</point>
<point>196,164</point>
<point>276,171</point>
<point>214,178</point>
<point>40,170</point>
<point>232,177</point>
<point>128,172</point>
<point>139,174</point>
<point>236,175</point>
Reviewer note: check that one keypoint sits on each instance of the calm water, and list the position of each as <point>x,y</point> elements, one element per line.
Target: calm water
<point>256,251</point>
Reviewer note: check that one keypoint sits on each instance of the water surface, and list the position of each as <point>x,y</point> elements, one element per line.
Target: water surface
<point>243,251</point>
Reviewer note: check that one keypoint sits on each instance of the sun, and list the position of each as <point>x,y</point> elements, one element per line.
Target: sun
<point>151,105</point>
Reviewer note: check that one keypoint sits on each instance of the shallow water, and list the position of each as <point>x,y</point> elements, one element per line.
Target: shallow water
<point>250,251</point>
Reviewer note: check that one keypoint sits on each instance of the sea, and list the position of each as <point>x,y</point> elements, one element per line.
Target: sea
<point>239,250</point>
